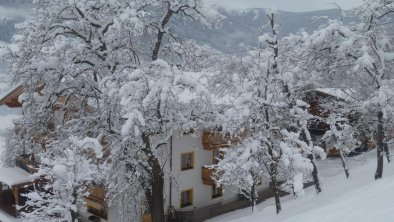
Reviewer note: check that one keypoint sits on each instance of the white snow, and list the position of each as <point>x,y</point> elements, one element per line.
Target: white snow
<point>357,199</point>
<point>6,218</point>
<point>14,175</point>
<point>337,92</point>
<point>6,121</point>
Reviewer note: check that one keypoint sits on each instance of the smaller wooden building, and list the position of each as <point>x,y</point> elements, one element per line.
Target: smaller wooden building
<point>14,182</point>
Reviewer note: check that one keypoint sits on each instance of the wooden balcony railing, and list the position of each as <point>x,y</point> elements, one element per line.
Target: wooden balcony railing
<point>26,164</point>
<point>97,206</point>
<point>215,140</point>
<point>207,174</point>
<point>95,202</point>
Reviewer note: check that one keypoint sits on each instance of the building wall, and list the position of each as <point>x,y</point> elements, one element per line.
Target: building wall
<point>188,179</point>
<point>191,179</point>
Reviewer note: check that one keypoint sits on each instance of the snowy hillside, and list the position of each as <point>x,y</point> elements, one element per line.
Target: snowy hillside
<point>357,199</point>
<point>240,28</point>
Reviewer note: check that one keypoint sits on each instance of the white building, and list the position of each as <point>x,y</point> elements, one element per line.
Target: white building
<point>192,191</point>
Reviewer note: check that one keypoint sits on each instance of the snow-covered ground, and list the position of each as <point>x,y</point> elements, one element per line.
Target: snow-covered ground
<point>357,199</point>
<point>5,218</point>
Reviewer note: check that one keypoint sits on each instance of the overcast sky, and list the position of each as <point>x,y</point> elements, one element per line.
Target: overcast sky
<point>286,5</point>
<point>12,12</point>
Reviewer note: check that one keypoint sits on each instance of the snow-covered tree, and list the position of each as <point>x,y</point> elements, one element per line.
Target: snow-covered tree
<point>64,49</point>
<point>13,146</point>
<point>360,58</point>
<point>242,168</point>
<point>341,136</point>
<point>259,99</point>
<point>67,169</point>
<point>295,165</point>
<point>74,56</point>
<point>159,101</point>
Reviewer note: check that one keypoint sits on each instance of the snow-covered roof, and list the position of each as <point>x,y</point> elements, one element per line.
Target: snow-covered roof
<point>14,175</point>
<point>11,94</point>
<point>336,92</point>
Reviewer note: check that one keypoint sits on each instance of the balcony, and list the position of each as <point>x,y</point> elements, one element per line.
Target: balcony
<point>216,140</point>
<point>207,174</point>
<point>95,202</point>
<point>97,207</point>
<point>27,163</point>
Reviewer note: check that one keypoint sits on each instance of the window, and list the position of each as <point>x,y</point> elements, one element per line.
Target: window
<point>217,191</point>
<point>217,155</point>
<point>187,160</point>
<point>187,198</point>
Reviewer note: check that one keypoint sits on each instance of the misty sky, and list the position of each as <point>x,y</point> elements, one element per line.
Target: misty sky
<point>286,5</point>
<point>12,12</point>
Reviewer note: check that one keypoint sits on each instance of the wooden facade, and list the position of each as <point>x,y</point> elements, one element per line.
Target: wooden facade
<point>216,140</point>
<point>27,163</point>
<point>12,197</point>
<point>207,174</point>
<point>317,127</point>
<point>96,203</point>
<point>315,99</point>
<point>11,99</point>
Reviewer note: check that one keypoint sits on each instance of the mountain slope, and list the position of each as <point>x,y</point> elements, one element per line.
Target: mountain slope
<point>241,28</point>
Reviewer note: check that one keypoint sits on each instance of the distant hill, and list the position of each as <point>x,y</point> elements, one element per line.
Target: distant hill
<point>241,28</point>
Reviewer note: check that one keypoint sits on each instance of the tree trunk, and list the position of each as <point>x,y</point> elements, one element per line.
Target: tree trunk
<point>311,157</point>
<point>344,163</point>
<point>74,214</point>
<point>160,34</point>
<point>315,174</point>
<point>156,194</point>
<point>157,199</point>
<point>387,151</point>
<point>253,196</point>
<point>380,146</point>
<point>275,190</point>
